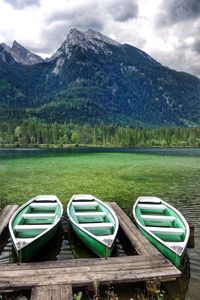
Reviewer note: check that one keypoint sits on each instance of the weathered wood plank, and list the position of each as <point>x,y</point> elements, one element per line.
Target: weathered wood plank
<point>138,241</point>
<point>51,280</point>
<point>93,262</point>
<point>5,216</point>
<point>81,278</point>
<point>53,292</point>
<point>10,272</point>
<point>131,269</point>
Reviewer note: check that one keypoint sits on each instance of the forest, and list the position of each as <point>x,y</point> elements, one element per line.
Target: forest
<point>36,134</point>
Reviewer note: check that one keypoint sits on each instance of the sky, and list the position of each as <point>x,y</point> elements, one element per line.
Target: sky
<point>168,30</point>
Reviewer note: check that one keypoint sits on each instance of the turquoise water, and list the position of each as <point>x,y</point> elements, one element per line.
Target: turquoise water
<point>171,173</point>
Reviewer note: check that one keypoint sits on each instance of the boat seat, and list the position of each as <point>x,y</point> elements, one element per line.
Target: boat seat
<point>46,205</point>
<point>30,227</point>
<point>156,207</point>
<point>83,197</point>
<point>38,216</point>
<point>85,203</point>
<point>26,239</point>
<point>97,225</point>
<point>158,218</point>
<point>51,198</point>
<point>149,200</point>
<point>91,214</point>
<point>105,237</point>
<point>166,230</point>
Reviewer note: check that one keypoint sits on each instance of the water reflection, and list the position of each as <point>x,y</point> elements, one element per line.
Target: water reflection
<point>34,152</point>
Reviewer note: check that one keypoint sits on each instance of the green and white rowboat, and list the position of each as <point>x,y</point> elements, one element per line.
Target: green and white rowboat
<point>34,224</point>
<point>164,226</point>
<point>94,222</point>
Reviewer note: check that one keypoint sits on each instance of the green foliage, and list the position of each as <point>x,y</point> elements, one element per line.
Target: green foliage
<point>78,296</point>
<point>36,133</point>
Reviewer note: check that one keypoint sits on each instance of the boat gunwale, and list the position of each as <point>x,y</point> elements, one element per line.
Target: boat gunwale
<point>88,232</point>
<point>145,228</point>
<point>51,226</point>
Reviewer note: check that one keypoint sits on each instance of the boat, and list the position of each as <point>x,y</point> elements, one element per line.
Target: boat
<point>34,224</point>
<point>94,222</point>
<point>164,226</point>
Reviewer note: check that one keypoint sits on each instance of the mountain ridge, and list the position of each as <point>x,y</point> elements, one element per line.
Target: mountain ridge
<point>94,79</point>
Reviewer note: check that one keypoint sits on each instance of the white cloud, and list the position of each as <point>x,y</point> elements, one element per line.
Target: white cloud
<point>42,25</point>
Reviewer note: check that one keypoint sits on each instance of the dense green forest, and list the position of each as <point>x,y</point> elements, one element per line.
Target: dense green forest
<point>36,134</point>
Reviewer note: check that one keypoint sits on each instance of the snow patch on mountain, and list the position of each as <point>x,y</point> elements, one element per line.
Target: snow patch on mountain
<point>58,67</point>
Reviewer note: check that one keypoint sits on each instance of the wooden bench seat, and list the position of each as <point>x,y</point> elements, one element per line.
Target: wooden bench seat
<point>149,199</point>
<point>166,230</point>
<point>85,204</point>
<point>90,214</point>
<point>30,227</point>
<point>96,225</point>
<point>45,205</point>
<point>158,218</point>
<point>155,207</point>
<point>38,216</point>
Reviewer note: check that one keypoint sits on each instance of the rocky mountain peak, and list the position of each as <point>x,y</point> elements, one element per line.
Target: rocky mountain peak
<point>88,40</point>
<point>21,54</point>
<point>5,55</point>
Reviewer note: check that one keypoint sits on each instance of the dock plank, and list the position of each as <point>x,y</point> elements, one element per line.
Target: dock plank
<point>55,279</point>
<point>79,275</point>
<point>137,240</point>
<point>53,292</point>
<point>5,216</point>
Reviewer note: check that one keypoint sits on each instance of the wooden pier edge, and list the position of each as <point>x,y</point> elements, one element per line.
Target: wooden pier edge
<point>55,291</point>
<point>55,279</point>
<point>5,216</point>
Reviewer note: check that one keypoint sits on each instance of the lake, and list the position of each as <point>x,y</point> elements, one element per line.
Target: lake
<point>119,175</point>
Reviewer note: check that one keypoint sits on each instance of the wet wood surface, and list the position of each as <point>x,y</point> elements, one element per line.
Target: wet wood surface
<point>56,291</point>
<point>5,216</point>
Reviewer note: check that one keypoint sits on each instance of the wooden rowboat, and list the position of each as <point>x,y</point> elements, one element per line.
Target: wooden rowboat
<point>34,224</point>
<point>164,226</point>
<point>94,222</point>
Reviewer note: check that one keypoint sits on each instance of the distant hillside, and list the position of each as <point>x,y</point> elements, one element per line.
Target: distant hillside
<point>93,79</point>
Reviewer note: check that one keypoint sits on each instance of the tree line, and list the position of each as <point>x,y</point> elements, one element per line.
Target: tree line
<point>35,134</point>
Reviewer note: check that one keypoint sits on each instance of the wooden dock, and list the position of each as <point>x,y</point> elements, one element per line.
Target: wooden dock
<point>5,216</point>
<point>55,279</point>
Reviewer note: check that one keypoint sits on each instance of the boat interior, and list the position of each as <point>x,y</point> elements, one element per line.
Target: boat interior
<point>161,220</point>
<point>35,218</point>
<point>92,216</point>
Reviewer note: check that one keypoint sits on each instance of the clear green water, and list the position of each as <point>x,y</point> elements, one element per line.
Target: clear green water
<point>171,174</point>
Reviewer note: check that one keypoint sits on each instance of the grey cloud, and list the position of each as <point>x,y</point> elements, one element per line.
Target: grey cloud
<point>196,46</point>
<point>78,18</point>
<point>123,10</point>
<point>175,11</point>
<point>20,4</point>
<point>119,10</point>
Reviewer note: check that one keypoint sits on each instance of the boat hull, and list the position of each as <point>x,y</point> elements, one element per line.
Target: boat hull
<point>29,251</point>
<point>34,224</point>
<point>168,253</point>
<point>164,226</point>
<point>94,222</point>
<point>95,246</point>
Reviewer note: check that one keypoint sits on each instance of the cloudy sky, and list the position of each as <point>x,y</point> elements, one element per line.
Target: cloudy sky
<point>168,30</point>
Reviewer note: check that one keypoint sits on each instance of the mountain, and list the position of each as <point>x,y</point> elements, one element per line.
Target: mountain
<point>94,79</point>
<point>21,54</point>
